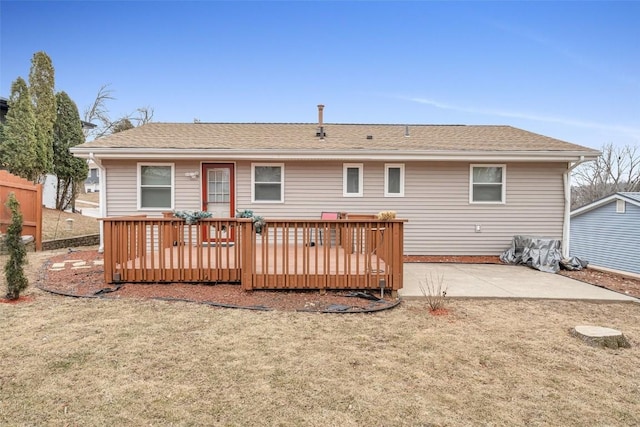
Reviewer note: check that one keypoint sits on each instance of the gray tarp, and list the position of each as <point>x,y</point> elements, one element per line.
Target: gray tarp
<point>537,252</point>
<point>573,263</point>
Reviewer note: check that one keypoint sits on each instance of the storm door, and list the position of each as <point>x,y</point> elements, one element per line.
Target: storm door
<point>218,193</point>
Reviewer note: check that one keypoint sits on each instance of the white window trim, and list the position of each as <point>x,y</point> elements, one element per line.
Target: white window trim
<point>253,183</point>
<point>388,166</point>
<point>345,167</point>
<point>504,183</point>
<point>620,206</point>
<point>173,187</point>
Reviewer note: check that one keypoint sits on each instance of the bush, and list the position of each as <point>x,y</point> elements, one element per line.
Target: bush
<point>14,270</point>
<point>434,291</point>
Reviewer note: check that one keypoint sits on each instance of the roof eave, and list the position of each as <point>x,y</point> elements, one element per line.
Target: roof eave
<point>273,154</point>
<point>604,201</point>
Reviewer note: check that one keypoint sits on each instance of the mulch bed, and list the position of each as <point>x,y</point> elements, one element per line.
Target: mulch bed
<point>611,281</point>
<point>456,259</point>
<point>89,282</point>
<point>20,300</point>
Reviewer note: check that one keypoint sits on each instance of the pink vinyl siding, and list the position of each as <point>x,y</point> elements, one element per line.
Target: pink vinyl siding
<point>441,221</point>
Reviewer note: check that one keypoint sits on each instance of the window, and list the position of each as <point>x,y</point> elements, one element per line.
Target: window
<point>487,184</point>
<point>352,180</point>
<point>267,182</point>
<point>155,186</point>
<point>620,206</point>
<point>393,180</point>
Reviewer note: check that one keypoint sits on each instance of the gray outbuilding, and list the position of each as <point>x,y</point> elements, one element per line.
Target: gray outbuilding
<point>607,232</point>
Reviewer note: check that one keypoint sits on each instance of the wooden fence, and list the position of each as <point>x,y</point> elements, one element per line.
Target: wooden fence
<point>29,195</point>
<point>287,254</point>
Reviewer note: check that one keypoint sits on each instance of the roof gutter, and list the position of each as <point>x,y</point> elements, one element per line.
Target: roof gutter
<point>566,223</point>
<point>102,197</point>
<point>353,154</point>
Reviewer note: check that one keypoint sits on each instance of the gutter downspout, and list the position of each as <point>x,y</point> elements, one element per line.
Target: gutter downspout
<point>566,178</point>
<point>102,198</point>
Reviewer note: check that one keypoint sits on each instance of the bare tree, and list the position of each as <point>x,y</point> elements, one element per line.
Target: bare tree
<point>617,170</point>
<point>98,114</point>
<point>142,116</point>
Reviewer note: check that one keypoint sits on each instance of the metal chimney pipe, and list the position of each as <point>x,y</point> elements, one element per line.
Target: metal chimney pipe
<point>320,121</point>
<point>320,118</point>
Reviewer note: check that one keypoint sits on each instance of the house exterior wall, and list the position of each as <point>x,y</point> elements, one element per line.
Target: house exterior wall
<point>122,191</point>
<point>441,221</point>
<point>608,239</point>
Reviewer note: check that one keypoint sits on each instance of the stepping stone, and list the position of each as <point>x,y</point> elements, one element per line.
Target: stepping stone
<point>79,263</point>
<point>57,265</point>
<point>80,266</point>
<point>56,269</point>
<point>98,262</point>
<point>598,336</point>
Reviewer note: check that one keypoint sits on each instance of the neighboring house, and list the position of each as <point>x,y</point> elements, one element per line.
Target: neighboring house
<point>607,232</point>
<point>92,183</point>
<point>50,185</point>
<point>465,190</point>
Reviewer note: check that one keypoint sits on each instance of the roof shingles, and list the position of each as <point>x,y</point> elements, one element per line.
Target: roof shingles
<point>294,136</point>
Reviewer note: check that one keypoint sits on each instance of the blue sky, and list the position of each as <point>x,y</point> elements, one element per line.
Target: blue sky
<point>569,70</point>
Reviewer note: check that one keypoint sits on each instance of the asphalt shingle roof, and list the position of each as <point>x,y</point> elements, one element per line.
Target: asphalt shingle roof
<point>632,195</point>
<point>292,136</point>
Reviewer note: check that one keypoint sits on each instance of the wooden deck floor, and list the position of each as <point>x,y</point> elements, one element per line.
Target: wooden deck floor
<point>268,259</point>
<point>297,266</point>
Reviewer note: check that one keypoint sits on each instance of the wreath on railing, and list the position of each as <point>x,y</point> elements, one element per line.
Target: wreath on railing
<point>258,221</point>
<point>192,217</point>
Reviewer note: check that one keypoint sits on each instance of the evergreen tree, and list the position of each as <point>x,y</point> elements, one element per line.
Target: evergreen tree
<point>14,269</point>
<point>41,87</point>
<point>67,132</point>
<point>17,152</point>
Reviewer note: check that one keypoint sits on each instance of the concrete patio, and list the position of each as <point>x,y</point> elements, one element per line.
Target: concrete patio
<point>502,281</point>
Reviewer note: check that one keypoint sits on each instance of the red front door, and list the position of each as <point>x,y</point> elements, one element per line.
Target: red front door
<point>218,196</point>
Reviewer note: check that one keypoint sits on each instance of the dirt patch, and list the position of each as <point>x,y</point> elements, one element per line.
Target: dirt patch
<point>22,299</point>
<point>56,226</point>
<point>439,311</point>
<point>458,259</point>
<point>611,281</point>
<point>88,197</point>
<point>82,274</point>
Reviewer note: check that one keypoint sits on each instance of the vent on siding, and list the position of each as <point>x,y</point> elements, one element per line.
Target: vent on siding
<point>620,206</point>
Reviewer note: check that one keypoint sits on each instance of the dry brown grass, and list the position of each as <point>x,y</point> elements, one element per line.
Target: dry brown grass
<point>89,197</point>
<point>54,225</point>
<point>97,362</point>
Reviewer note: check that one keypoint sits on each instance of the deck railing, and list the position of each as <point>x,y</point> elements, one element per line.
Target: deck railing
<point>287,254</point>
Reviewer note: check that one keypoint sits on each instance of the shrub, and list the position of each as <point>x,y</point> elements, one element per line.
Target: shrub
<point>434,290</point>
<point>14,270</point>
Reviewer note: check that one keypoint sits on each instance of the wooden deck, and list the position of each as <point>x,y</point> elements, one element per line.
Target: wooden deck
<point>290,254</point>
